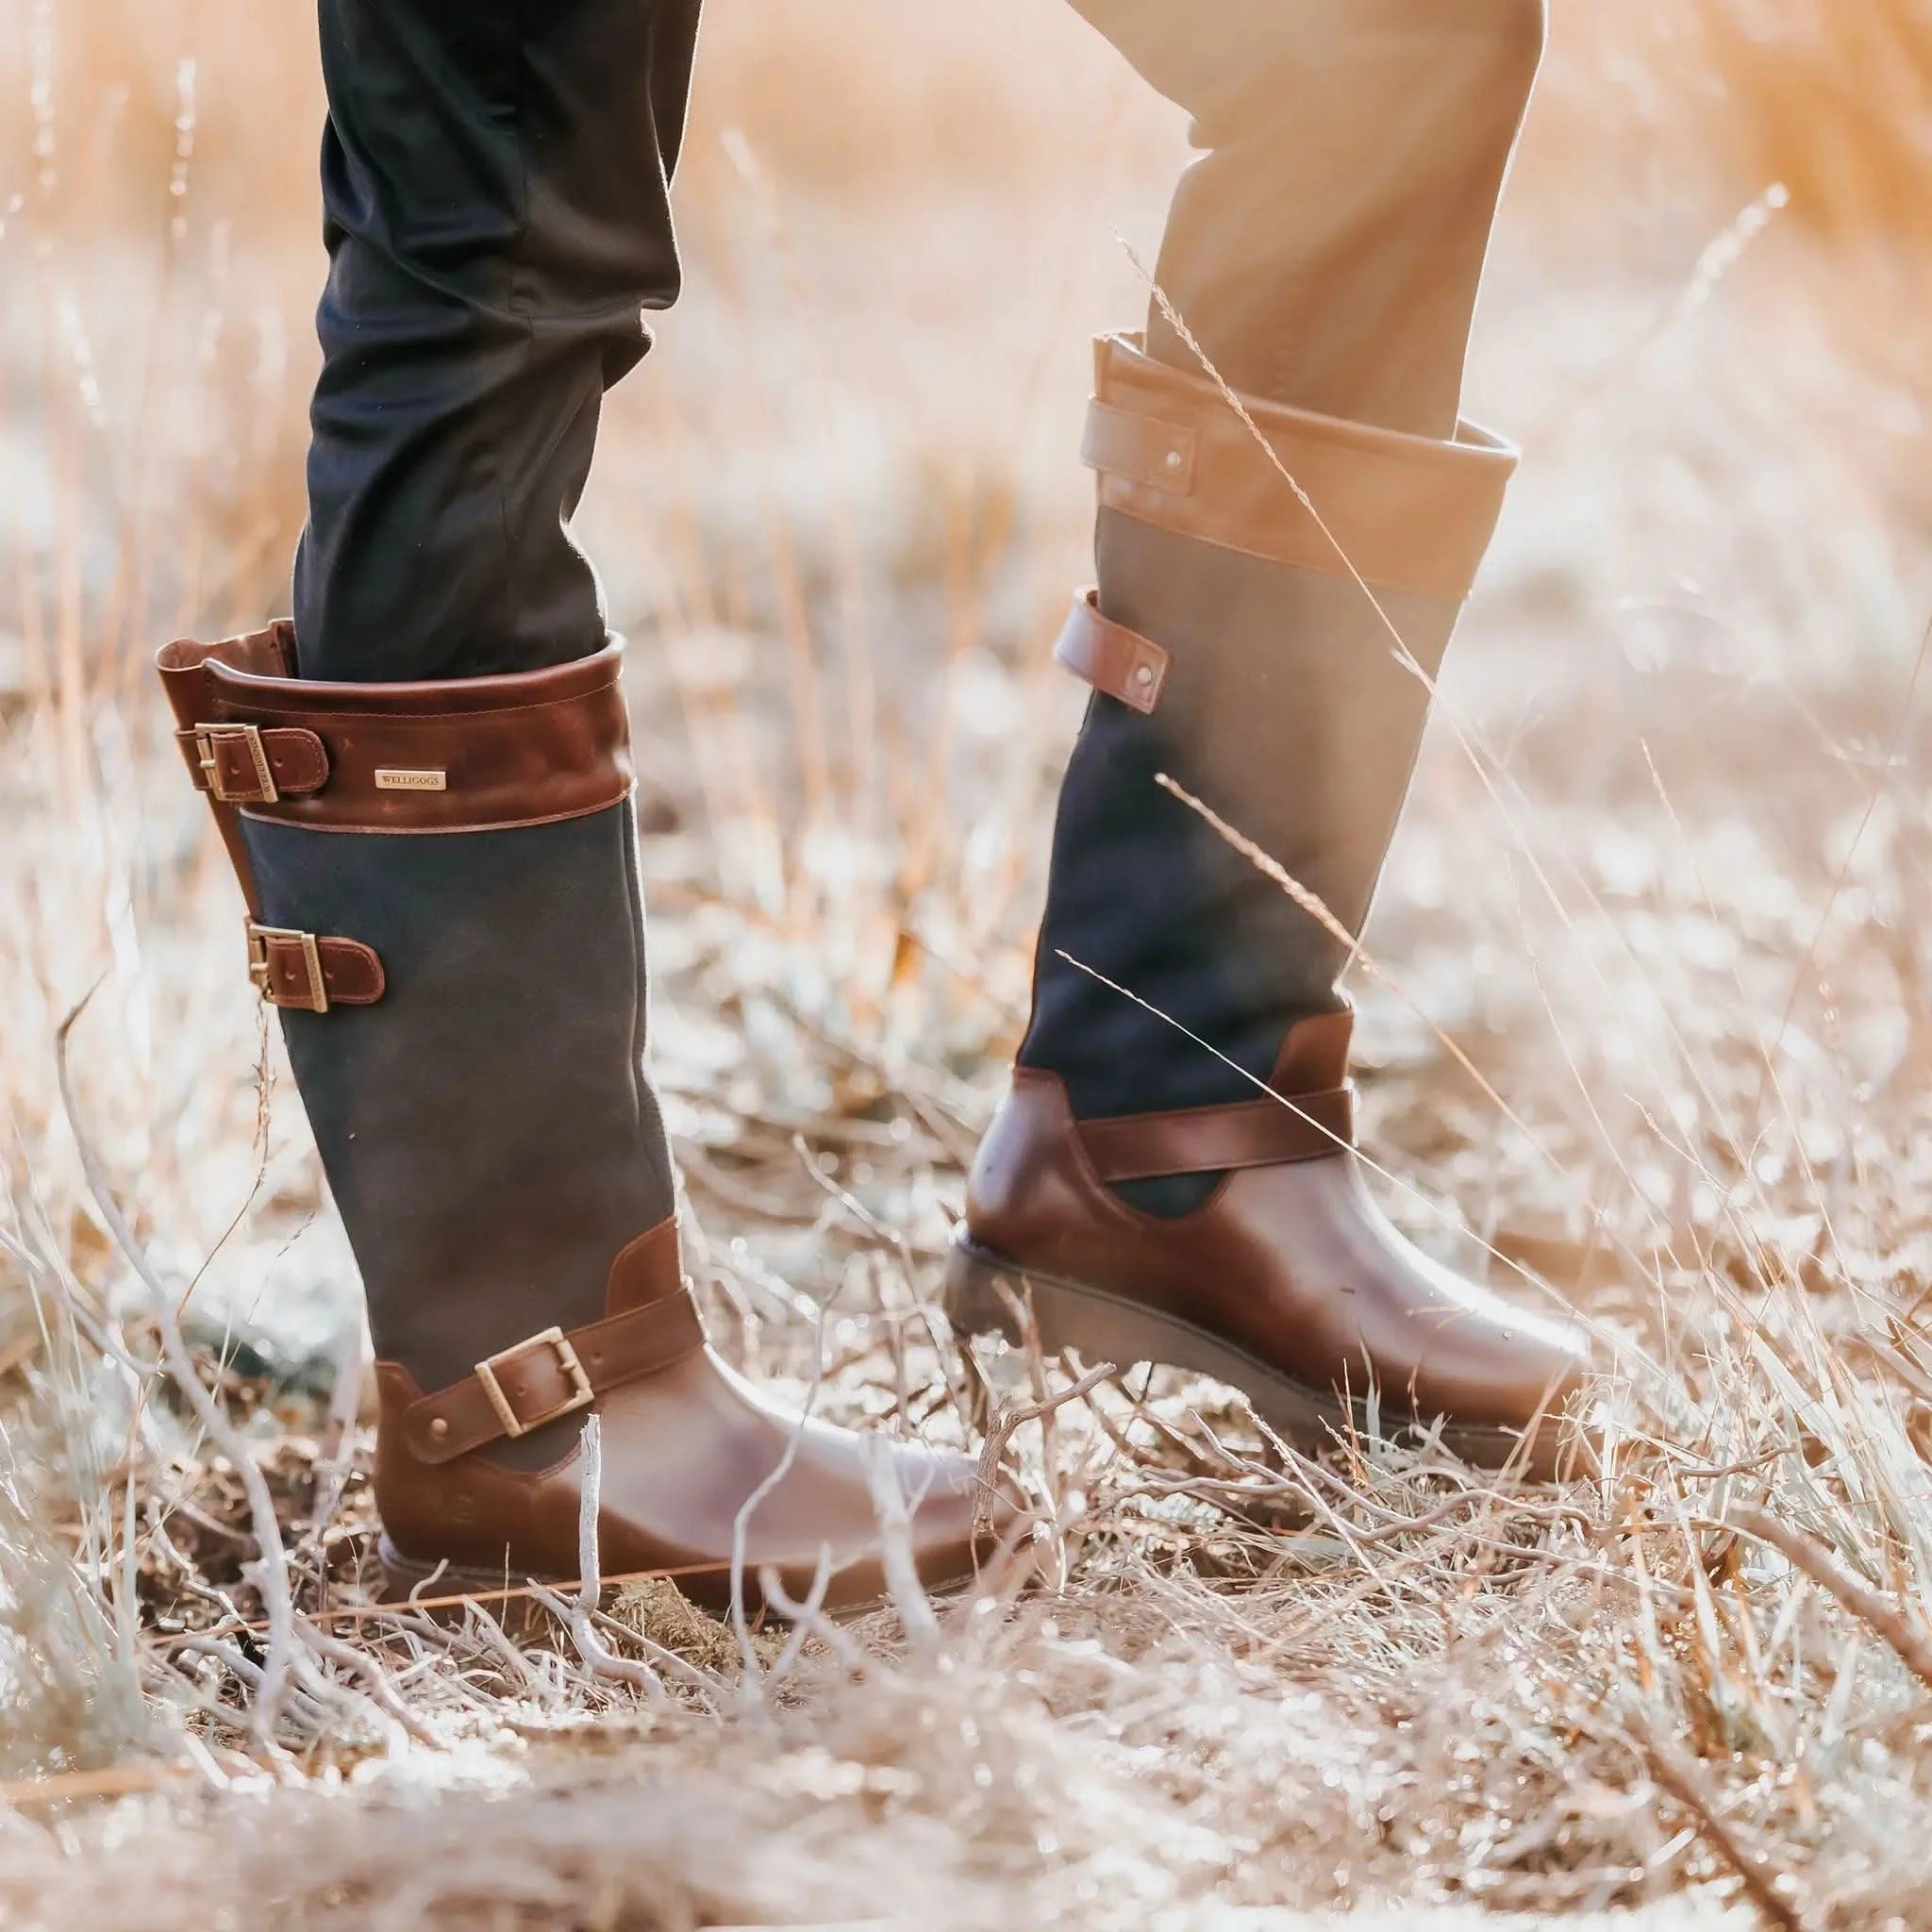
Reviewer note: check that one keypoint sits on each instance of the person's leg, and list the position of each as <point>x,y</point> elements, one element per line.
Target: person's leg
<point>495,184</point>
<point>1325,253</point>
<point>1324,256</point>
<point>1325,248</point>
<point>425,783</point>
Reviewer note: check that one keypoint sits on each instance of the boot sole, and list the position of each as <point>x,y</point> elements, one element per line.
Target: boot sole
<point>1108,1327</point>
<point>710,1588</point>
<point>444,1585</point>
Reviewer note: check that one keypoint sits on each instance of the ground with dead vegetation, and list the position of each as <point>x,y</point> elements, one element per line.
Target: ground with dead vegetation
<point>1645,1015</point>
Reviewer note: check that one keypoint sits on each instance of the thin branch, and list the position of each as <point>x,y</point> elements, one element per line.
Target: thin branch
<point>577,1612</point>
<point>270,1570</point>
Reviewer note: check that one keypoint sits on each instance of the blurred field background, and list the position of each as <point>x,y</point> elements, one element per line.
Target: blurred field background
<point>1665,880</point>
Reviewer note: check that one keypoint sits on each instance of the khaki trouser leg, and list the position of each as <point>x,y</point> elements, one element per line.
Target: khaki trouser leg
<point>1325,247</point>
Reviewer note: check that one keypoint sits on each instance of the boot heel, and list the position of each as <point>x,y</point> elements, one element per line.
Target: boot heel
<point>402,1575</point>
<point>983,1295</point>
<point>971,1294</point>
<point>1103,1327</point>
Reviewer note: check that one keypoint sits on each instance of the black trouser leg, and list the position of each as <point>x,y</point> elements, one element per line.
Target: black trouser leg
<point>494,179</point>
<point>1324,251</point>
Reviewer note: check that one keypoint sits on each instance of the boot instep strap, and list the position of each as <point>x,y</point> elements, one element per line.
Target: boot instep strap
<point>1111,657</point>
<point>1212,1140</point>
<point>311,973</point>
<point>549,1375</point>
<point>248,764</point>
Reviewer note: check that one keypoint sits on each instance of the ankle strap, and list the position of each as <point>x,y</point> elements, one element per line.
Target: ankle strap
<point>549,1375</point>
<point>1210,1140</point>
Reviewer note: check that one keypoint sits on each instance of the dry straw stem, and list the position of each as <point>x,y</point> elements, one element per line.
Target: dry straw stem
<point>1769,1894</point>
<point>1834,104</point>
<point>1883,1615</point>
<point>270,1566</point>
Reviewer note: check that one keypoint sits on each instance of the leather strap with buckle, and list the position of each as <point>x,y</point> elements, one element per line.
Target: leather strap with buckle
<point>250,764</point>
<point>1212,1140</point>
<point>297,969</point>
<point>550,1375</point>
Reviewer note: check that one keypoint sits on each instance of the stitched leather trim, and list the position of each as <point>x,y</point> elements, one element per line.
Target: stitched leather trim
<point>469,755</point>
<point>465,755</point>
<point>1111,657</point>
<point>1212,1140</point>
<point>1407,511</point>
<point>536,1379</point>
<point>183,669</point>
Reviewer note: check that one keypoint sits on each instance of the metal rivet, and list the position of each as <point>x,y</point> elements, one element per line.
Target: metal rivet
<point>1172,459</point>
<point>439,1426</point>
<point>1145,675</point>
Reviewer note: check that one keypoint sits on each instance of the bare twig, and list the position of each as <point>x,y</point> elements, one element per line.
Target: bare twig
<point>1008,1420</point>
<point>577,1612</point>
<point>270,1570</point>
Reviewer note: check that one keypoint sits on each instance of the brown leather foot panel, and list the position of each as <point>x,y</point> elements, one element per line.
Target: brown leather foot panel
<point>687,1448</point>
<point>985,1295</point>
<point>1288,1282</point>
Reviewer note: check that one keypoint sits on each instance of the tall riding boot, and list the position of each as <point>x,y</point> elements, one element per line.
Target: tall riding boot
<point>443,901</point>
<point>1174,1181</point>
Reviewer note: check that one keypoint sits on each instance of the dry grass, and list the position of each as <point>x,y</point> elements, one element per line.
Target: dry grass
<point>1665,884</point>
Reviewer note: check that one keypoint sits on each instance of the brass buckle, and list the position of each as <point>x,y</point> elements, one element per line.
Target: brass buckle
<point>207,737</point>
<point>581,1394</point>
<point>258,937</point>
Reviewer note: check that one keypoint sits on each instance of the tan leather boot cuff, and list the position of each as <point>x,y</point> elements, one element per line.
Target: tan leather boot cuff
<point>1307,489</point>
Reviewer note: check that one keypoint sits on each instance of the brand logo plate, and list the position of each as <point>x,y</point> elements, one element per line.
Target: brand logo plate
<point>392,778</point>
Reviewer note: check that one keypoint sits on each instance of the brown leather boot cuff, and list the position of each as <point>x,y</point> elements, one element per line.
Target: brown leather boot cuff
<point>1403,511</point>
<point>466,755</point>
<point>469,754</point>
